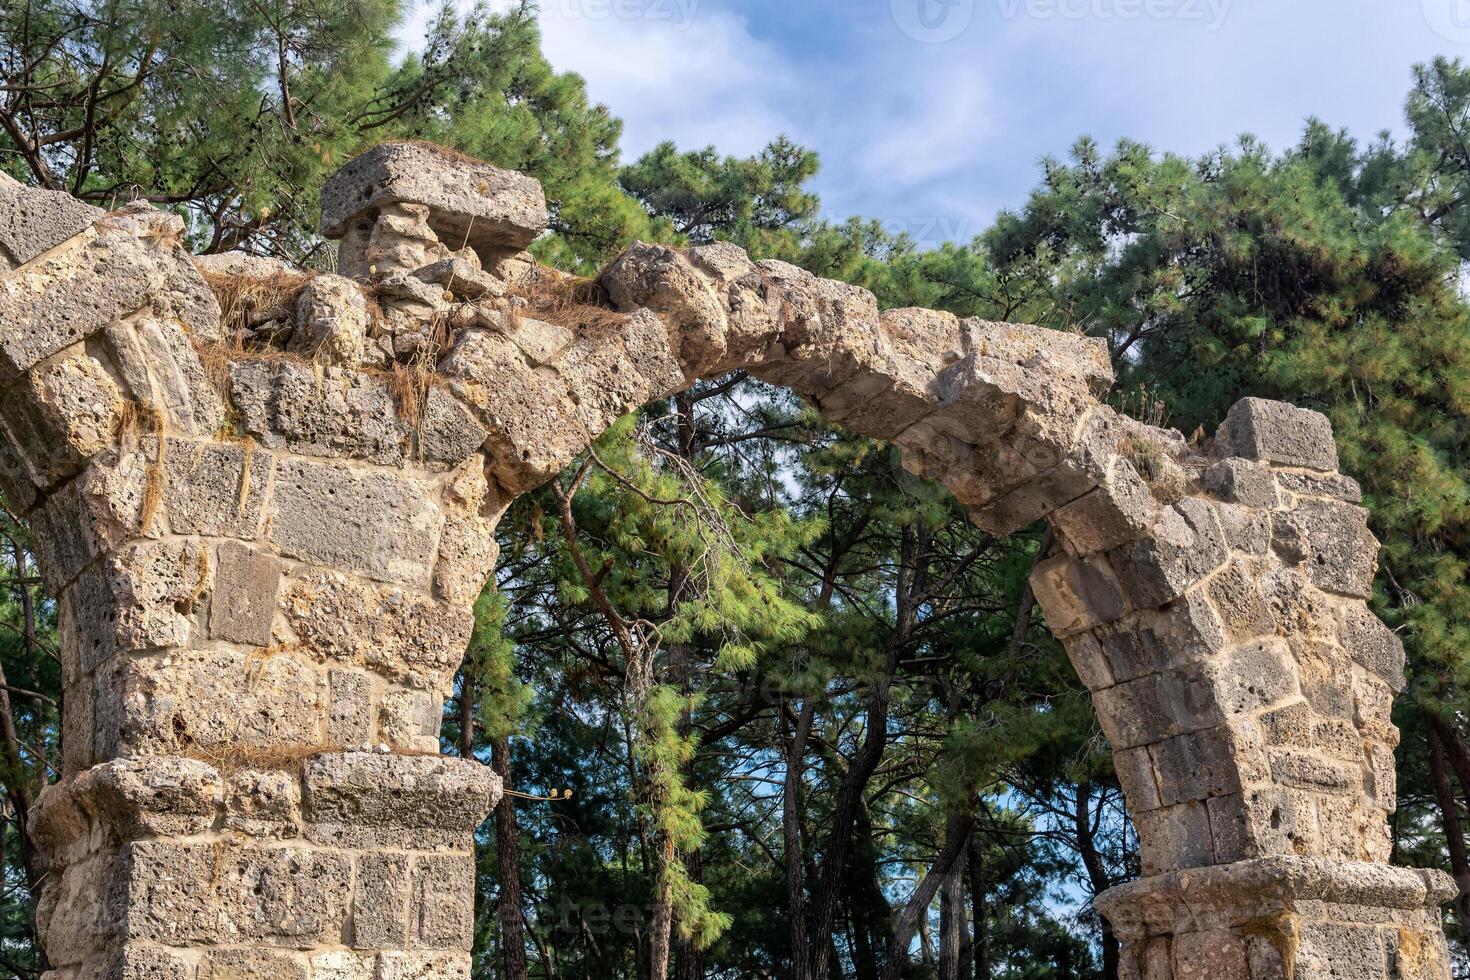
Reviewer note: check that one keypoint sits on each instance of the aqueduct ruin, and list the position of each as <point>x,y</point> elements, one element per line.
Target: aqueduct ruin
<point>265,572</point>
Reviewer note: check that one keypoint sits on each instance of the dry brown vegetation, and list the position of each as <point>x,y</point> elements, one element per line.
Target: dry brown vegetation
<point>246,301</point>
<point>574,302</point>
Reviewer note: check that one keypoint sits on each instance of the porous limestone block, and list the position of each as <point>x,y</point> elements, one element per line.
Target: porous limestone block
<point>139,961</point>
<point>1120,510</point>
<point>378,523</point>
<point>332,321</point>
<point>1200,765</point>
<point>213,701</point>
<point>1135,771</point>
<point>496,212</point>
<point>1186,544</point>
<point>387,791</point>
<point>1241,481</point>
<point>329,412</point>
<point>423,966</point>
<point>252,964</point>
<point>1309,484</point>
<point>1275,432</point>
<point>1077,593</point>
<point>400,635</point>
<point>158,362</point>
<point>380,901</point>
<point>350,712</point>
<point>1237,595</point>
<point>1174,837</point>
<point>188,894</point>
<point>1153,640</point>
<point>105,275</point>
<point>61,414</point>
<point>343,965</point>
<point>1086,655</point>
<point>33,221</point>
<point>263,803</point>
<point>143,597</point>
<point>658,278</point>
<point>442,903</point>
<point>246,582</point>
<point>1342,552</point>
<point>214,489</point>
<point>152,795</point>
<point>1371,644</point>
<point>409,719</point>
<point>447,432</point>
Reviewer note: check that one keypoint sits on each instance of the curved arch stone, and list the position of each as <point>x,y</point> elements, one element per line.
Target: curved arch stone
<point>265,572</point>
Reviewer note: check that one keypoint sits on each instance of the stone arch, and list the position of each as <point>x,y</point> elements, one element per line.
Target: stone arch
<point>264,572</point>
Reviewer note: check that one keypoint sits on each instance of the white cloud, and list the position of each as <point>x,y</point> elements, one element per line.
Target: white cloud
<point>939,120</point>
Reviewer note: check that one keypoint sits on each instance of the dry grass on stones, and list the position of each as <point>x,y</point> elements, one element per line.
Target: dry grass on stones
<point>573,302</point>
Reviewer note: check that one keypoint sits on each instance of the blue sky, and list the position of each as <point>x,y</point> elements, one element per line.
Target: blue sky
<point>931,115</point>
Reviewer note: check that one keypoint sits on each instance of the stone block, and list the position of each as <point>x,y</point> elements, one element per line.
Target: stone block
<point>144,598</point>
<point>380,901</point>
<point>1077,594</point>
<point>319,411</point>
<point>400,635</point>
<point>152,795</point>
<point>243,606</point>
<point>1120,510</point>
<point>383,790</point>
<point>350,717</point>
<point>423,966</point>
<point>442,911</point>
<point>1136,775</point>
<point>1343,553</point>
<point>1213,954</point>
<point>1197,766</point>
<point>1088,659</point>
<point>1371,644</point>
<point>496,212</point>
<point>376,523</point>
<point>157,360</point>
<point>1186,545</point>
<point>1246,530</point>
<point>252,964</point>
<point>196,894</point>
<point>1333,485</point>
<point>409,719</point>
<point>215,489</point>
<point>332,322</point>
<point>1305,770</point>
<point>448,432</point>
<point>263,803</point>
<point>1243,611</point>
<point>216,701</point>
<point>1241,481</point>
<point>67,295</point>
<point>1275,432</point>
<point>340,964</point>
<point>1135,713</point>
<point>139,961</point>
<point>33,220</point>
<point>1174,837</point>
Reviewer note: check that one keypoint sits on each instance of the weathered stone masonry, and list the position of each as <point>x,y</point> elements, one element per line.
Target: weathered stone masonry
<point>266,545</point>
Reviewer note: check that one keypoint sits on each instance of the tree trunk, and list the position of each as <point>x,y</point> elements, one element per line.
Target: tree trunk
<point>952,922</point>
<point>508,852</point>
<point>1449,808</point>
<point>1097,875</point>
<point>18,787</point>
<point>979,907</point>
<point>956,834</point>
<point>791,809</point>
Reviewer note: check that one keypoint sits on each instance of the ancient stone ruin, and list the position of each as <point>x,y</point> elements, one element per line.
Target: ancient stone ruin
<point>267,507</point>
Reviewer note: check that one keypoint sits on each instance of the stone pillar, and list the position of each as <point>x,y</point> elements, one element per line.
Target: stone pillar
<point>265,566</point>
<point>1246,689</point>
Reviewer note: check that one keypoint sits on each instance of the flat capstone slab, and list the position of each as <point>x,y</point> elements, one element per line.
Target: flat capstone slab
<point>470,203</point>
